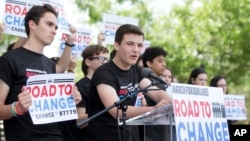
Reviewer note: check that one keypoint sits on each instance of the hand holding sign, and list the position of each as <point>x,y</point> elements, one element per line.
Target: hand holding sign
<point>24,101</point>
<point>54,98</point>
<point>76,95</point>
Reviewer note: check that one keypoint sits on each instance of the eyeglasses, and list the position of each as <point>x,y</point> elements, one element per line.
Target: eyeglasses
<point>100,58</point>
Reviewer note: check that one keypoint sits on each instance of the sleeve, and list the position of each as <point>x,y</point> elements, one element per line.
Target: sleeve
<point>81,88</point>
<point>104,76</point>
<point>6,71</point>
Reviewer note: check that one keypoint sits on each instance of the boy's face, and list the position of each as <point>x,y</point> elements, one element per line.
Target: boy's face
<point>97,60</point>
<point>45,31</point>
<point>158,65</point>
<point>130,48</point>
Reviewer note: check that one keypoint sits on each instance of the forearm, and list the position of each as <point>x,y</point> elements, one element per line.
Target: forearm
<point>134,111</point>
<point>5,112</point>
<point>64,60</point>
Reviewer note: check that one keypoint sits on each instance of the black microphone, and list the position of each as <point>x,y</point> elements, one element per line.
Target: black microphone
<point>148,73</point>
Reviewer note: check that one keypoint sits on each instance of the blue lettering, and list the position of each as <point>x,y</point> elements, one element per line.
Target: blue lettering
<point>37,105</point>
<point>190,132</point>
<point>71,102</point>
<point>62,104</point>
<point>62,21</point>
<point>181,126</point>
<point>109,33</point>
<point>62,46</point>
<point>202,131</point>
<point>14,21</point>
<point>225,131</point>
<point>201,134</point>
<point>209,132</point>
<point>54,105</point>
<point>217,133</point>
<point>46,105</point>
<point>78,48</point>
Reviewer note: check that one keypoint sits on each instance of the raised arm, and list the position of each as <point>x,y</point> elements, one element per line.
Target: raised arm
<point>100,38</point>
<point>64,60</point>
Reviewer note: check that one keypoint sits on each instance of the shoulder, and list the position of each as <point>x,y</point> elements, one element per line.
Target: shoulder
<point>83,81</point>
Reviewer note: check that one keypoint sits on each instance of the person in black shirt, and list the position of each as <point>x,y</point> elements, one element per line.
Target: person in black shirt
<point>15,68</point>
<point>114,81</point>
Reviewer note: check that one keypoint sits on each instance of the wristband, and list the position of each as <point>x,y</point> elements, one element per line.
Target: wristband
<point>69,45</point>
<point>16,109</point>
<point>13,109</point>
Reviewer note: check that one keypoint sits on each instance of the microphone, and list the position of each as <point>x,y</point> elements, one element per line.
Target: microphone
<point>148,73</point>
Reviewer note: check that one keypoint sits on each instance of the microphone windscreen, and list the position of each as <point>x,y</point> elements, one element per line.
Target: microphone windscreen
<point>145,72</point>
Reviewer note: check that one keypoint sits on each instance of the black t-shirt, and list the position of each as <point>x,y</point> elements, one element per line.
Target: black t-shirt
<point>83,87</point>
<point>15,67</point>
<point>69,129</point>
<point>104,126</point>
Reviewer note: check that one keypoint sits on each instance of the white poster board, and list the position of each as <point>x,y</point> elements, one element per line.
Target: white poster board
<point>81,41</point>
<point>15,12</point>
<point>235,107</point>
<point>51,100</point>
<point>199,113</point>
<point>111,23</point>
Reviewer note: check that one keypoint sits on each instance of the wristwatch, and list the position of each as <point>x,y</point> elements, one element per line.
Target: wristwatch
<point>69,45</point>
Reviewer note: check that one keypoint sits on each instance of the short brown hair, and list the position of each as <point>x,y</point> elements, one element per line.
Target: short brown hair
<point>89,52</point>
<point>35,14</point>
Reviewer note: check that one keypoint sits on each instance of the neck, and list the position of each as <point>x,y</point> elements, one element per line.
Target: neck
<point>34,45</point>
<point>90,74</point>
<point>120,64</point>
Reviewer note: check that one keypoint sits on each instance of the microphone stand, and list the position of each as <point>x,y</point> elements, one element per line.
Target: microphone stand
<point>118,104</point>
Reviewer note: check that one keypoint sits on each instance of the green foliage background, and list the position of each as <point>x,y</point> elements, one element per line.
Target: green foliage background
<point>214,33</point>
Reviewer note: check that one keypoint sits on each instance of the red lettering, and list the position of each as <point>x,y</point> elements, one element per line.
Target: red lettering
<point>35,91</point>
<point>111,27</point>
<point>64,37</point>
<point>205,108</point>
<point>190,110</point>
<point>240,103</point>
<point>196,108</point>
<point>177,108</point>
<point>15,9</point>
<point>65,89</point>
<point>208,110</point>
<point>52,90</point>
<point>82,39</point>
<point>185,108</point>
<point>68,89</point>
<point>44,92</point>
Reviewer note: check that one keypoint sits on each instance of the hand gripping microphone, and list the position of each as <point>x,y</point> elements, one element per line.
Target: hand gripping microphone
<point>148,73</point>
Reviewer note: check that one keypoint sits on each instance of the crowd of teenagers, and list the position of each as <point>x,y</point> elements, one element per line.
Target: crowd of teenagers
<point>106,75</point>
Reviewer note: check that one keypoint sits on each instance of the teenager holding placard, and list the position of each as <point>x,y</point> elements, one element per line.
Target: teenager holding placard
<point>15,68</point>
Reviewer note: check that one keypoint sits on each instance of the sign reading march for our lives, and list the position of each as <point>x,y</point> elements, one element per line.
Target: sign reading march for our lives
<point>235,107</point>
<point>51,100</point>
<point>199,113</point>
<point>112,23</point>
<point>15,11</point>
<point>81,41</point>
